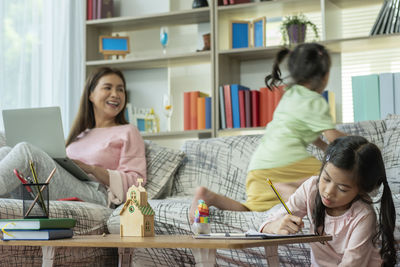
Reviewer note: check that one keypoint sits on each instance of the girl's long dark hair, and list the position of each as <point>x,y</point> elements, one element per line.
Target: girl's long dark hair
<point>308,64</point>
<point>85,118</point>
<point>355,153</point>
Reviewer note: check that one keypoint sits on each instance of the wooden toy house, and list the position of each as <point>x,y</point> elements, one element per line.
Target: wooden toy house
<point>136,216</point>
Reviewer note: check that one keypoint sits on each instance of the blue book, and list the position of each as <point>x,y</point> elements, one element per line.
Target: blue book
<point>222,107</point>
<point>366,101</point>
<point>44,234</point>
<point>208,112</point>
<point>396,78</point>
<point>386,94</point>
<point>235,103</point>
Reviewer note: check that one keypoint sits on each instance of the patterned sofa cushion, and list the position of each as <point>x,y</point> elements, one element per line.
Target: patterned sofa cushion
<point>219,164</point>
<point>391,152</point>
<point>374,131</point>
<point>162,163</point>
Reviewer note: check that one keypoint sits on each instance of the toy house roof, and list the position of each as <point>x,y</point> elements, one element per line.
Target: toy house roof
<point>144,209</point>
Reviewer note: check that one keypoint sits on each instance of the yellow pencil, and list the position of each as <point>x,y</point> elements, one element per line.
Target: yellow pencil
<point>279,196</point>
<point>41,200</point>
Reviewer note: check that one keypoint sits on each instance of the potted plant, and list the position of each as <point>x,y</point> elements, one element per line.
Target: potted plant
<point>294,28</point>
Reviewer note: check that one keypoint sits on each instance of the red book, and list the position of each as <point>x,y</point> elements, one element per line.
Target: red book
<point>255,108</point>
<point>186,111</point>
<point>105,9</point>
<point>201,113</point>
<point>267,106</point>
<point>233,2</point>
<point>242,110</point>
<point>89,9</point>
<point>193,109</point>
<point>226,2</point>
<point>228,106</point>
<point>247,107</point>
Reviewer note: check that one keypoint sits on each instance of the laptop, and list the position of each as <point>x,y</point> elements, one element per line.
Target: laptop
<point>41,127</point>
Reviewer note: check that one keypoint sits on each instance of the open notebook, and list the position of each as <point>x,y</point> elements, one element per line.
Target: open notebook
<point>251,234</point>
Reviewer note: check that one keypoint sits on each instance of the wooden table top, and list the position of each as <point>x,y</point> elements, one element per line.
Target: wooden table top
<point>161,241</point>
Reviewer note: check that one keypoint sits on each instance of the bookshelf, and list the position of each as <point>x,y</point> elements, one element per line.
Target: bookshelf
<point>222,65</point>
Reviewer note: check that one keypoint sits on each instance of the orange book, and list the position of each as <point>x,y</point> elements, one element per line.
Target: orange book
<point>193,109</point>
<point>201,113</point>
<point>278,93</point>
<point>186,111</point>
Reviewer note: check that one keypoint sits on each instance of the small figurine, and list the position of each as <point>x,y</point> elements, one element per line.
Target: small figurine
<point>136,216</point>
<point>201,223</point>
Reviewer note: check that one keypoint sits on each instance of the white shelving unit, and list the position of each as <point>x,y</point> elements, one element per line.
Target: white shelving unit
<point>222,65</point>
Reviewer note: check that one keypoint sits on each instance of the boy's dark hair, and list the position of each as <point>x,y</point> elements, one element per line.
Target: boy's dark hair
<point>85,117</point>
<point>308,64</point>
<point>355,153</point>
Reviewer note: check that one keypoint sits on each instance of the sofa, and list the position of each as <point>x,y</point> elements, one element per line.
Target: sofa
<point>217,163</point>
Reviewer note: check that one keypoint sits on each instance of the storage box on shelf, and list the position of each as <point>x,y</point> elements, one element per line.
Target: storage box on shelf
<point>339,31</point>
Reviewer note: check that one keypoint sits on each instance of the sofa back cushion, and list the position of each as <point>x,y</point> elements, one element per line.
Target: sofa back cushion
<point>391,152</point>
<point>373,131</point>
<point>219,164</point>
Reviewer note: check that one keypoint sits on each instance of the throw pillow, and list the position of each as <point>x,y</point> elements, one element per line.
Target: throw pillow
<point>162,163</point>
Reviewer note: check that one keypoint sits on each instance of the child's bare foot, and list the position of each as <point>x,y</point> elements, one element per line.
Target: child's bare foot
<point>201,193</point>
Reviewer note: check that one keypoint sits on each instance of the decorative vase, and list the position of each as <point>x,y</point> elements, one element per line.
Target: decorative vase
<point>199,3</point>
<point>296,33</point>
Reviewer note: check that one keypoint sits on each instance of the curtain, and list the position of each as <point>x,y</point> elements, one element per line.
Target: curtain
<point>42,55</point>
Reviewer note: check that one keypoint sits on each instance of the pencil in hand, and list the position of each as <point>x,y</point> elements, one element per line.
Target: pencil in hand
<point>279,196</point>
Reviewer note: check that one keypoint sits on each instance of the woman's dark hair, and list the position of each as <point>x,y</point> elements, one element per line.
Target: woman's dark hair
<point>85,118</point>
<point>308,64</point>
<point>357,154</point>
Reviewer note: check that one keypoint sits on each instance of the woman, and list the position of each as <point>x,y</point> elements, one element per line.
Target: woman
<point>101,142</point>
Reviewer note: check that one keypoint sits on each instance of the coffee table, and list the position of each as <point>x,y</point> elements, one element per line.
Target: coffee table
<point>204,250</point>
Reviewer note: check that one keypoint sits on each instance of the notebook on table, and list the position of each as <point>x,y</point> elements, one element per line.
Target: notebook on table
<point>41,127</point>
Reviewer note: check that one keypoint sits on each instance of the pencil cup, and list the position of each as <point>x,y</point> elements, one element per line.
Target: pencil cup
<point>35,200</point>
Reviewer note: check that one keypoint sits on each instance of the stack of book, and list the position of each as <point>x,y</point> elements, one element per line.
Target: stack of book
<point>37,229</point>
<point>375,96</point>
<point>388,20</point>
<point>241,107</point>
<point>196,111</point>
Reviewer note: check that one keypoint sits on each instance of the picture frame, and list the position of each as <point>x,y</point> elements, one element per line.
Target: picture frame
<point>240,34</point>
<point>114,46</point>
<point>259,36</point>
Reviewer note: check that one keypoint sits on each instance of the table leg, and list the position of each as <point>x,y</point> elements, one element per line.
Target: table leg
<point>204,257</point>
<point>48,256</point>
<point>272,255</point>
<point>125,257</point>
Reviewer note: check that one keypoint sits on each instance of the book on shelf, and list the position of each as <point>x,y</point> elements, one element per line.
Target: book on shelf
<point>242,109</point>
<point>255,108</point>
<point>40,223</point>
<point>235,88</point>
<point>208,113</point>
<point>222,107</point>
<point>330,98</point>
<point>386,94</point>
<point>396,84</point>
<point>105,9</point>
<point>228,106</point>
<point>266,106</point>
<point>41,234</point>
<point>234,2</point>
<point>247,107</point>
<point>366,102</point>
<point>186,111</point>
<point>201,113</point>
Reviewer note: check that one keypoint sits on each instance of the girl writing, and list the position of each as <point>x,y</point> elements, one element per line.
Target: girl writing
<point>300,118</point>
<point>337,203</point>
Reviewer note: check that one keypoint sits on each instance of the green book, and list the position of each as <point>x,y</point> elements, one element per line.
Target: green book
<point>366,97</point>
<point>32,224</point>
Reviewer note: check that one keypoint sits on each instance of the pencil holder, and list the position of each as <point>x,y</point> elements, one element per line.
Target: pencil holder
<point>35,200</point>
